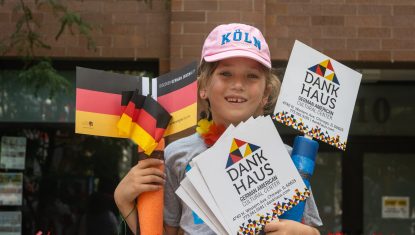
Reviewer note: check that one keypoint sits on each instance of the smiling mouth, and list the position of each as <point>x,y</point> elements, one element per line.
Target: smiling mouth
<point>235,100</point>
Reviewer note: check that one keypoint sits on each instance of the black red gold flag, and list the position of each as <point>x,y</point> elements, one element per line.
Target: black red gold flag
<point>177,93</point>
<point>143,120</point>
<point>98,99</point>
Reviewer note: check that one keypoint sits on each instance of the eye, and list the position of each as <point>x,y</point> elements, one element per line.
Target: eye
<point>253,76</point>
<point>225,73</point>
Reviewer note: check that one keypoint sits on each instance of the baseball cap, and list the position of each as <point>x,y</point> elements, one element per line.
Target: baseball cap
<point>236,40</point>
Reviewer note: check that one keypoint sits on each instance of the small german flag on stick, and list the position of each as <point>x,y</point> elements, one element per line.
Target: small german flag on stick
<point>143,120</point>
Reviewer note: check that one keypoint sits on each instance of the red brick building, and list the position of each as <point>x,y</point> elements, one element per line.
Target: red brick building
<point>173,31</point>
<point>377,37</point>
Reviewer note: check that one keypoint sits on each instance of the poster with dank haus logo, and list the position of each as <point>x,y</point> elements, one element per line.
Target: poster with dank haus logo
<point>317,96</point>
<point>251,176</point>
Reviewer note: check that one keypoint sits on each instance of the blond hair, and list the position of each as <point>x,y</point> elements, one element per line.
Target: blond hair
<point>205,72</point>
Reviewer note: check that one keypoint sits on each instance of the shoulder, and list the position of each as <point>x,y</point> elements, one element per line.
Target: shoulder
<point>184,146</point>
<point>185,141</point>
<point>178,153</point>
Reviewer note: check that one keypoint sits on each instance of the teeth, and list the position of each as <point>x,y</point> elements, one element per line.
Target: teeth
<point>235,100</point>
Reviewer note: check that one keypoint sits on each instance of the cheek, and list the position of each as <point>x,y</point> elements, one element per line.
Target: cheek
<point>214,88</point>
<point>259,90</point>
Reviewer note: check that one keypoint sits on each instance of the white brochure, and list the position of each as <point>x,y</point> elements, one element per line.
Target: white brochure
<point>245,180</point>
<point>317,96</point>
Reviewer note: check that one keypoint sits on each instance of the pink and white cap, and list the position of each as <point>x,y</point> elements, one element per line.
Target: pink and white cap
<point>236,40</point>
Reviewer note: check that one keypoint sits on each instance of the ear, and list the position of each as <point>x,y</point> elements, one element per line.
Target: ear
<point>203,94</point>
<point>264,100</point>
<point>265,97</point>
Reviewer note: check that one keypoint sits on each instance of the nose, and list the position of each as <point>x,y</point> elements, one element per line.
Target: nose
<point>238,82</point>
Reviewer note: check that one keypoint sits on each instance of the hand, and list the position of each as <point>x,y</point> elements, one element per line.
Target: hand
<point>143,177</point>
<point>288,227</point>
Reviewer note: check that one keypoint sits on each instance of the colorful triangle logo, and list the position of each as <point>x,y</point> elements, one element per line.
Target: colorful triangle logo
<point>325,69</point>
<point>239,150</point>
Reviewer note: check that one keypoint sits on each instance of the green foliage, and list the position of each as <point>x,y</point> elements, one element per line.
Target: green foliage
<point>42,75</point>
<point>69,20</point>
<point>26,39</point>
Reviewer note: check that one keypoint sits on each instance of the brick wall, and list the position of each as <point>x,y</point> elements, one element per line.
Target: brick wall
<point>191,22</point>
<point>123,29</point>
<point>354,30</point>
<point>348,30</point>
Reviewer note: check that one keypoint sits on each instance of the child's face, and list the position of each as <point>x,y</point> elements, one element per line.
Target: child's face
<point>236,90</point>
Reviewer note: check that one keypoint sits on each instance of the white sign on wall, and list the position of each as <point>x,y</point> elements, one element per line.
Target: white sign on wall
<point>317,96</point>
<point>395,207</point>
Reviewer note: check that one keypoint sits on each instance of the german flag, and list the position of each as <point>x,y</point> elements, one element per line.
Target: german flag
<point>143,120</point>
<point>98,99</point>
<point>177,93</point>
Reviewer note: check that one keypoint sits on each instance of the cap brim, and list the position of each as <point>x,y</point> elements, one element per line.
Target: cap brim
<point>237,53</point>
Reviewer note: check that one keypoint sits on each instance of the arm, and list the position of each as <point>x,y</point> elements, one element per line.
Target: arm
<point>289,227</point>
<point>143,177</point>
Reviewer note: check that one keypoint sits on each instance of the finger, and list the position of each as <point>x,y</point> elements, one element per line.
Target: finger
<point>272,226</point>
<point>152,179</point>
<point>149,162</point>
<point>150,187</point>
<point>152,171</point>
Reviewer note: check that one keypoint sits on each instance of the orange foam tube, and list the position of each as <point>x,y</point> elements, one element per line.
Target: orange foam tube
<point>150,207</point>
<point>150,211</point>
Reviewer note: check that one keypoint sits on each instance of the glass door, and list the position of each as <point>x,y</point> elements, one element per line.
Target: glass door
<point>389,193</point>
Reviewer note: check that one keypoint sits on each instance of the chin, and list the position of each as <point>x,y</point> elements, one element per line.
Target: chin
<point>237,119</point>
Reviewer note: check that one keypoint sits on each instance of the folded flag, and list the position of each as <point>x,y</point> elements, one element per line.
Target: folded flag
<point>143,120</point>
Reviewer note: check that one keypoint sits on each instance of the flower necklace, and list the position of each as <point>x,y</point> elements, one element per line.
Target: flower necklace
<point>209,131</point>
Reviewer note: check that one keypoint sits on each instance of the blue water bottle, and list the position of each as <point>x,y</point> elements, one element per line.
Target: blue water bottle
<point>303,155</point>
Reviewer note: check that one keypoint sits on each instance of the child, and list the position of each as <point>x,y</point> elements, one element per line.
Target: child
<point>235,82</point>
